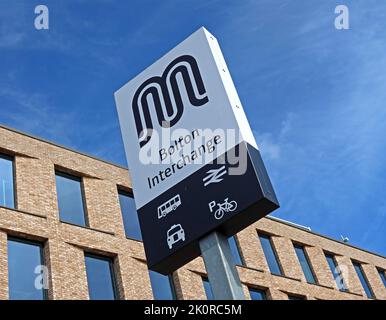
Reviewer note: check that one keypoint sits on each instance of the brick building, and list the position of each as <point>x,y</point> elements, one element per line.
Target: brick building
<point>73,215</point>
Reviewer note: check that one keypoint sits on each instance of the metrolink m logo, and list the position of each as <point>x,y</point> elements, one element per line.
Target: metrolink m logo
<point>166,96</point>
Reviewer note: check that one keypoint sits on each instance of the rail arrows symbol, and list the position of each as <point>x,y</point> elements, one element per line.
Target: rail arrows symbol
<point>214,176</point>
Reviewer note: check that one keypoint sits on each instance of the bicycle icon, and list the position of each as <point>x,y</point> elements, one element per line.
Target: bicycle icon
<point>226,206</point>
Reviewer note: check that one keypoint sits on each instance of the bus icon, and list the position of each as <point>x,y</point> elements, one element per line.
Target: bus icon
<point>169,206</point>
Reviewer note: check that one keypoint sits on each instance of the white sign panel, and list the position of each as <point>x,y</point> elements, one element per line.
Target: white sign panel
<point>178,115</point>
<point>194,163</point>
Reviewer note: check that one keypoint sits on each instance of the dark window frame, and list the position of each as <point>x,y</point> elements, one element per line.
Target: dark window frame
<point>269,236</point>
<point>382,275</point>
<point>332,256</point>
<point>264,291</point>
<point>303,248</point>
<point>240,252</point>
<point>123,191</point>
<point>365,278</point>
<point>206,279</point>
<point>11,158</point>
<point>111,261</point>
<point>41,246</point>
<point>292,296</point>
<point>77,178</point>
<point>172,286</point>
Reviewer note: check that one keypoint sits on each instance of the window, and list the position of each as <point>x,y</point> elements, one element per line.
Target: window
<point>24,260</point>
<point>295,297</point>
<point>208,289</point>
<point>305,264</point>
<point>162,286</point>
<point>270,255</point>
<point>100,278</point>
<point>129,216</point>
<point>336,272</point>
<point>70,199</point>
<point>363,280</point>
<point>235,250</point>
<point>7,198</point>
<point>383,276</point>
<point>257,294</point>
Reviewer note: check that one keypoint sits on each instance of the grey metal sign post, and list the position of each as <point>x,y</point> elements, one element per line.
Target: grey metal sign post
<point>220,266</point>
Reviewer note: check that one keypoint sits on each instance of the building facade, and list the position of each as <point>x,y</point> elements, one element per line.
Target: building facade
<point>69,230</point>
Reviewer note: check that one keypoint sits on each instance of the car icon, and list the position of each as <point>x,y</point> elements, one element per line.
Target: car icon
<point>175,234</point>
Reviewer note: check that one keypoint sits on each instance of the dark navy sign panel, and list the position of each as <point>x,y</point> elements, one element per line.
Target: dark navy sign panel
<point>207,200</point>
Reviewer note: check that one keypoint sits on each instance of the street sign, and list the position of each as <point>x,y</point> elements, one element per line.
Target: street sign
<point>193,160</point>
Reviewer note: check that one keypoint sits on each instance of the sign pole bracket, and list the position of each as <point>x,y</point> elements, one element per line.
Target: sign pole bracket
<point>220,267</point>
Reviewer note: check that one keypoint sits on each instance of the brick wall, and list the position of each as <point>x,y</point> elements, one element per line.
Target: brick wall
<point>37,218</point>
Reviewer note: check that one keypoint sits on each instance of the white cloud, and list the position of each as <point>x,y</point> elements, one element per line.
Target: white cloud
<point>267,146</point>
<point>10,39</point>
<point>287,124</point>
<point>271,146</point>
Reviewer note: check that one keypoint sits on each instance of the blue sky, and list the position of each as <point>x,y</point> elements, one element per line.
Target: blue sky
<point>315,96</point>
